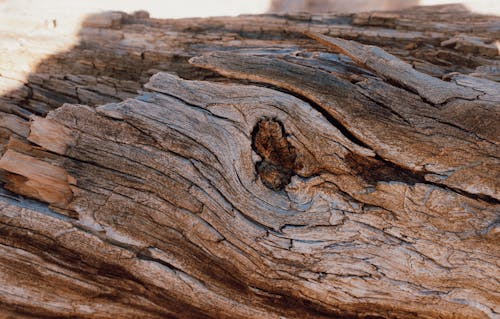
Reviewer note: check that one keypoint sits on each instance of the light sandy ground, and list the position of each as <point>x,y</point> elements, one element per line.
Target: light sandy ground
<point>157,8</point>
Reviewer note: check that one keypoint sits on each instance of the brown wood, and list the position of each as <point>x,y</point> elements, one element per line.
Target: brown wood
<point>274,166</point>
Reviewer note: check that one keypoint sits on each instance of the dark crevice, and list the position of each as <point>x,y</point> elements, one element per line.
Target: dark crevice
<point>478,197</point>
<point>145,255</point>
<point>380,169</point>
<point>279,158</point>
<point>371,169</point>
<point>376,169</point>
<point>332,120</point>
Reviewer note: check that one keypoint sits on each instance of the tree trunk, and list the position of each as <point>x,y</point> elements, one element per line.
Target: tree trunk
<point>268,167</point>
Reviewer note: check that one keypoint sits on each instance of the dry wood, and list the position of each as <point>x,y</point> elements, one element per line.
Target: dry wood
<point>278,169</point>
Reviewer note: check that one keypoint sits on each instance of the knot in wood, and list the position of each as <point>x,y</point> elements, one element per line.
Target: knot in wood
<point>279,157</point>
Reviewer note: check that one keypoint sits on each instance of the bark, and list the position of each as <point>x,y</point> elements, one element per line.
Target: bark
<point>255,167</point>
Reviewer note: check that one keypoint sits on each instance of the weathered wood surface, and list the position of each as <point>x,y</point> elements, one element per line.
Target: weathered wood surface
<point>284,172</point>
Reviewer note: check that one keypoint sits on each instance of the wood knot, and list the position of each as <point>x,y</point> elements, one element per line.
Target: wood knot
<point>279,158</point>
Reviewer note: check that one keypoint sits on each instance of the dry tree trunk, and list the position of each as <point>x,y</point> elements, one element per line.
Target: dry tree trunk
<point>270,168</point>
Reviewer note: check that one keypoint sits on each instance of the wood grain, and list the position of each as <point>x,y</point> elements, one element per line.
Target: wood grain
<point>278,169</point>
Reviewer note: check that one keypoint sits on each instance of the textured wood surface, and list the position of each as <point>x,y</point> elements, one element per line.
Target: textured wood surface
<point>255,167</point>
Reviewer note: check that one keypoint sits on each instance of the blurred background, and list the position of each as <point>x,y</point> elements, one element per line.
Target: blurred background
<point>205,8</point>
<point>67,15</point>
<point>481,6</point>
